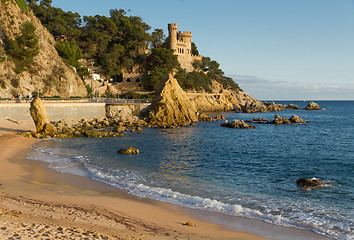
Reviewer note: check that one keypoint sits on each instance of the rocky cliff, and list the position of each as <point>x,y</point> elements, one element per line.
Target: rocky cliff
<point>48,74</point>
<point>171,105</point>
<point>222,100</point>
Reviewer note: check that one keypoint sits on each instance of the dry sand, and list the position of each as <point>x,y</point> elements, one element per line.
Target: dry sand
<point>38,203</point>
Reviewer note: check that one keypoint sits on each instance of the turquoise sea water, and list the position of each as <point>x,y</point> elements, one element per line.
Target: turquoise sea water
<point>240,172</point>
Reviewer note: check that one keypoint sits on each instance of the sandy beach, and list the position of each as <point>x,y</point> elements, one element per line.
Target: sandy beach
<point>37,202</point>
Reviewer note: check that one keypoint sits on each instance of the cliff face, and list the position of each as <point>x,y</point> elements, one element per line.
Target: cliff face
<point>48,74</point>
<point>220,100</point>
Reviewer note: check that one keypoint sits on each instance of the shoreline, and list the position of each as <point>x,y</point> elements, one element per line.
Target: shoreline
<point>35,187</point>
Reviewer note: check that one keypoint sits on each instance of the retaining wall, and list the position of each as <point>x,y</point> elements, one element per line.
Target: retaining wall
<point>70,110</point>
<point>56,111</point>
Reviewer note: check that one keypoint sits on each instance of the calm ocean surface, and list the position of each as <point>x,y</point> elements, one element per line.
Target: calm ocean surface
<point>241,172</point>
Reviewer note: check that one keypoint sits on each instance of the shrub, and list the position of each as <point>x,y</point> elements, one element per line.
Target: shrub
<point>24,48</point>
<point>15,82</point>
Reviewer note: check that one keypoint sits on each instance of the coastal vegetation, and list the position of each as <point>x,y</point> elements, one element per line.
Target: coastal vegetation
<point>120,42</point>
<point>23,48</point>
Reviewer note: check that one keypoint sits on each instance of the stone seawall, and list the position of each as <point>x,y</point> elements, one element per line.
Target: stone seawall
<point>20,111</point>
<point>71,110</point>
<point>125,110</point>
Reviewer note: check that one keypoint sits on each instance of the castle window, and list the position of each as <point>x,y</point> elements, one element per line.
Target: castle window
<point>188,51</point>
<point>128,80</point>
<point>137,80</point>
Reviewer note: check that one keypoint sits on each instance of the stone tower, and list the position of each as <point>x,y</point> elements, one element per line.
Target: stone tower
<point>172,30</point>
<point>181,44</point>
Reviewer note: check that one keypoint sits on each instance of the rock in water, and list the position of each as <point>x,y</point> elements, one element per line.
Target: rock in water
<point>306,182</point>
<point>171,105</point>
<point>236,124</point>
<point>39,114</point>
<point>130,150</point>
<point>312,106</point>
<point>296,119</point>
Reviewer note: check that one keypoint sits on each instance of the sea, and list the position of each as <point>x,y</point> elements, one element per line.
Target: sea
<point>248,173</point>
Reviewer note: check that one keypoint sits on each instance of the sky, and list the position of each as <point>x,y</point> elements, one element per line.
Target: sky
<point>274,49</point>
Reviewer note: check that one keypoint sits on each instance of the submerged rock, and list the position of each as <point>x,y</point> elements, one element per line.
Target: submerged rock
<point>307,182</point>
<point>130,150</point>
<point>278,120</point>
<point>312,106</point>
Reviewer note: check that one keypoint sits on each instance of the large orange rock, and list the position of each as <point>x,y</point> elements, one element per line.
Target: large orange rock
<point>39,114</point>
<point>171,105</point>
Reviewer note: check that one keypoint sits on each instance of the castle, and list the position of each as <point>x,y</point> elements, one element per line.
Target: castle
<point>181,43</point>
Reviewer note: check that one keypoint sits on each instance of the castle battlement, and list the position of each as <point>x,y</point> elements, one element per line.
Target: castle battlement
<point>184,33</point>
<point>181,44</point>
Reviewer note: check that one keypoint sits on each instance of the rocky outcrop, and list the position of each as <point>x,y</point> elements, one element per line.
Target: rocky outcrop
<point>278,120</point>
<point>219,100</point>
<point>171,105</point>
<point>130,150</point>
<point>236,124</point>
<point>40,117</point>
<point>307,182</point>
<point>48,74</point>
<point>257,106</point>
<point>312,106</point>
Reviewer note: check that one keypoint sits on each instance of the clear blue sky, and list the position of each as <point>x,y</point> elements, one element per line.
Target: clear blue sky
<point>275,49</point>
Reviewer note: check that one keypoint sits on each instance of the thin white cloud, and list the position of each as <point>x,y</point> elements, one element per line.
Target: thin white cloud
<point>283,90</point>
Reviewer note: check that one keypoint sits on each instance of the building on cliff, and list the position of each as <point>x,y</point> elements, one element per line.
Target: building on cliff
<point>181,43</point>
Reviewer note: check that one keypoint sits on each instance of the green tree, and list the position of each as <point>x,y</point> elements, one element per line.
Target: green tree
<point>160,62</point>
<point>158,38</point>
<point>70,52</point>
<point>162,58</point>
<point>194,49</point>
<point>152,80</point>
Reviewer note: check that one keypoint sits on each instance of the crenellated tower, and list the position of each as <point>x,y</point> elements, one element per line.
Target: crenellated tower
<point>172,30</point>
<point>181,43</point>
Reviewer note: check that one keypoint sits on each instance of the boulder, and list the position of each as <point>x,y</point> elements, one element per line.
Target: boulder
<point>236,124</point>
<point>204,117</point>
<point>277,119</point>
<point>189,224</point>
<point>312,106</point>
<point>296,119</point>
<point>39,114</point>
<point>307,182</point>
<point>171,104</point>
<point>292,106</point>
<point>286,120</point>
<point>119,129</point>
<point>219,117</point>
<point>130,150</point>
<point>49,128</point>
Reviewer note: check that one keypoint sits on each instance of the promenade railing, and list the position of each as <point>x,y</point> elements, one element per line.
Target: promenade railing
<point>78,100</point>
